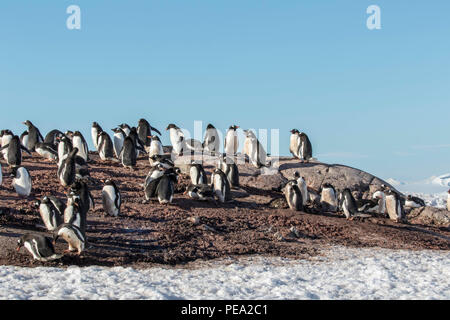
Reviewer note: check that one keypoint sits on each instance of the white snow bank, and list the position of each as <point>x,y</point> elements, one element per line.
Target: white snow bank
<point>343,274</point>
<point>438,200</point>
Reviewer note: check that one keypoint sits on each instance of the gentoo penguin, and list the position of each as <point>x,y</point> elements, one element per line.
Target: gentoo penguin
<point>202,192</point>
<point>95,134</point>
<point>166,189</point>
<point>67,169</point>
<point>414,202</point>
<point>50,213</point>
<point>302,186</point>
<point>69,134</point>
<point>34,135</point>
<point>53,138</point>
<point>156,148</point>
<point>79,142</point>
<point>305,150</point>
<point>46,150</point>
<point>6,136</point>
<point>40,247</point>
<point>14,152</point>
<point>80,189</point>
<point>448,201</point>
<point>24,139</point>
<point>73,215</point>
<point>231,143</point>
<point>221,185</point>
<point>72,235</point>
<point>394,206</point>
<point>294,143</point>
<point>139,144</point>
<point>197,174</point>
<point>328,198</point>
<point>118,139</point>
<point>211,143</point>
<point>105,146</point>
<point>381,207</point>
<point>128,156</point>
<point>347,203</point>
<point>229,167</point>
<point>144,131</point>
<point>152,180</point>
<point>111,198</point>
<point>293,196</point>
<point>255,151</point>
<point>126,128</point>
<point>65,146</point>
<point>22,182</point>
<point>176,138</point>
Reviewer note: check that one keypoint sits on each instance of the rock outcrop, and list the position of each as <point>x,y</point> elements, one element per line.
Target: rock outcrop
<point>430,216</point>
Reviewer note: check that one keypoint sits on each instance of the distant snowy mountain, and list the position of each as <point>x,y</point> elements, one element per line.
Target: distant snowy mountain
<point>432,185</point>
<point>443,180</point>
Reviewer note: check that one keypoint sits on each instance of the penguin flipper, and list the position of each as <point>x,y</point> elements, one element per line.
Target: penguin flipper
<point>25,149</point>
<point>4,147</point>
<point>156,130</point>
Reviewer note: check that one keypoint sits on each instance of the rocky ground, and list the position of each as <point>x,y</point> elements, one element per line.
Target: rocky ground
<point>189,230</point>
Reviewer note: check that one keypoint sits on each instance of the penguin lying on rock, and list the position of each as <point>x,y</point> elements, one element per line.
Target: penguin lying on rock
<point>40,247</point>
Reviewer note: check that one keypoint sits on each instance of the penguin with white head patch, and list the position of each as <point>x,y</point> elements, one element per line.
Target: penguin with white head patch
<point>176,138</point>
<point>34,135</point>
<point>111,198</point>
<point>328,197</point>
<point>40,247</point>
<point>211,143</point>
<point>394,206</point>
<point>80,143</point>
<point>67,169</point>
<point>231,142</point>
<point>347,204</point>
<point>118,139</point>
<point>221,185</point>
<point>105,146</point>
<point>50,213</point>
<point>96,129</point>
<point>197,174</point>
<point>22,181</point>
<point>14,152</point>
<point>156,148</point>
<point>72,235</point>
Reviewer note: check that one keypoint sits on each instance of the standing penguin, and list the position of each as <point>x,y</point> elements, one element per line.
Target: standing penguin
<point>229,167</point>
<point>14,152</point>
<point>67,169</point>
<point>152,180</point>
<point>40,247</point>
<point>301,183</point>
<point>50,213</point>
<point>305,151</point>
<point>73,214</point>
<point>231,143</point>
<point>293,196</point>
<point>34,135</point>
<point>6,136</point>
<point>95,134</point>
<point>80,143</point>
<point>53,138</point>
<point>166,189</point>
<point>80,189</point>
<point>211,143</point>
<point>221,185</point>
<point>294,143</point>
<point>65,146</point>
<point>128,155</point>
<point>156,148</point>
<point>328,198</point>
<point>118,139</point>
<point>139,144</point>
<point>111,198</point>
<point>105,146</point>
<point>22,182</point>
<point>448,201</point>
<point>144,131</point>
<point>24,139</point>
<point>197,174</point>
<point>347,204</point>
<point>72,235</point>
<point>394,206</point>
<point>46,150</point>
<point>176,138</point>
<point>126,128</point>
<point>255,152</point>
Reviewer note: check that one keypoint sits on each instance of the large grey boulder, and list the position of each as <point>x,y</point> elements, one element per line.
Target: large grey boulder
<point>430,216</point>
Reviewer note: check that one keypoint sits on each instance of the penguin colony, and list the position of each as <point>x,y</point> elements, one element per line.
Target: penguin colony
<point>67,218</point>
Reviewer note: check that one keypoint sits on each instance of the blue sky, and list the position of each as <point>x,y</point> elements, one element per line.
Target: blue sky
<point>377,100</point>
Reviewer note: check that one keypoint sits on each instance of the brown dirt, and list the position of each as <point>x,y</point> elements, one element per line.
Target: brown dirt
<point>149,234</point>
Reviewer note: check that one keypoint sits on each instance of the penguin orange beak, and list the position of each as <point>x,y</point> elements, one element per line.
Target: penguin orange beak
<point>18,249</point>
